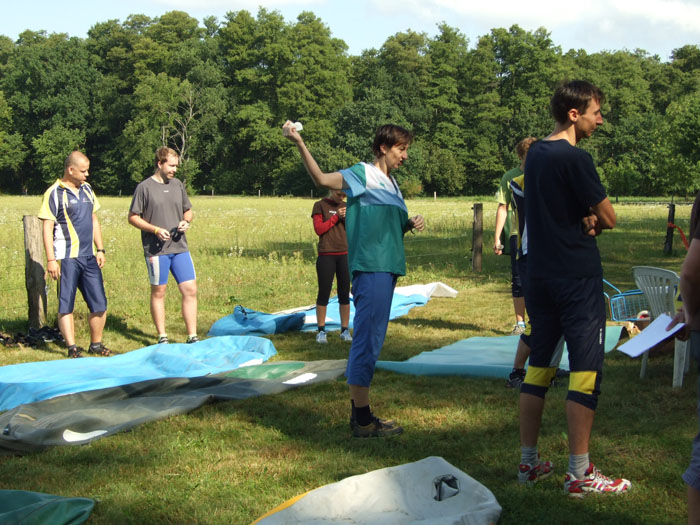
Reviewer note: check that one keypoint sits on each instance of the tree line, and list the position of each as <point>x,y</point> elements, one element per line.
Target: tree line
<point>218,93</point>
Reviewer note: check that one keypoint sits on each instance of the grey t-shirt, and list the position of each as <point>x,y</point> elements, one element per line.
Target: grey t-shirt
<point>162,205</point>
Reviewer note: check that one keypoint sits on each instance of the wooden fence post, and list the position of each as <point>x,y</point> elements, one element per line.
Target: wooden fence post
<point>34,271</point>
<point>477,236</point>
<point>668,243</point>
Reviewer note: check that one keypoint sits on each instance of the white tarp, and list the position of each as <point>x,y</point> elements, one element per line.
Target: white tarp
<point>401,495</point>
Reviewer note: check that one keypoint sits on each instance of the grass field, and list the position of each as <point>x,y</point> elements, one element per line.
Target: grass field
<point>230,462</point>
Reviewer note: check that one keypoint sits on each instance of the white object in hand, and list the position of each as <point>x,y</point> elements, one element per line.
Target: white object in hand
<point>298,126</point>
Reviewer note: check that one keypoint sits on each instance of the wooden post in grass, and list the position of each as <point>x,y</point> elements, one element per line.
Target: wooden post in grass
<point>34,270</point>
<point>477,236</point>
<point>668,243</point>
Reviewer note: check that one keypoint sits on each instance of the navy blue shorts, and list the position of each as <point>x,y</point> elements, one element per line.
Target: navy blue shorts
<point>574,308</point>
<point>372,293</point>
<point>84,274</point>
<point>516,282</point>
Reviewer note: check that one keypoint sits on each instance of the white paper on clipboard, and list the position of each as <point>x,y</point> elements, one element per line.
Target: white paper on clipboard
<point>650,336</point>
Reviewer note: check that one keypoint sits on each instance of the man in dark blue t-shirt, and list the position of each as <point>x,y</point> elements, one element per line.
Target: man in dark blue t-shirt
<point>565,209</point>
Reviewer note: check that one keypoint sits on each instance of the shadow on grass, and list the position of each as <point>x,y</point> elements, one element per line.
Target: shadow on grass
<point>438,324</point>
<point>118,324</point>
<point>447,417</point>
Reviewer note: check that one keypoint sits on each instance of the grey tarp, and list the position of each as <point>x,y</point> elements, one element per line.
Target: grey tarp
<point>76,419</point>
<point>426,492</point>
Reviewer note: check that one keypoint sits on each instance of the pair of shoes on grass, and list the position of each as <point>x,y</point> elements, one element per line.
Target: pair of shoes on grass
<point>163,340</point>
<point>593,481</point>
<point>98,349</point>
<point>322,336</point>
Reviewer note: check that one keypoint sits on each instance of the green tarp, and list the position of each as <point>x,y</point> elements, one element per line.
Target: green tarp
<point>34,508</point>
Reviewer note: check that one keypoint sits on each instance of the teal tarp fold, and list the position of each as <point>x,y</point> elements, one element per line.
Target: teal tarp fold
<point>36,508</point>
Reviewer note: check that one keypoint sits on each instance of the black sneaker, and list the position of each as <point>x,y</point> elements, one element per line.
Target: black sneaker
<point>353,421</point>
<point>516,378</point>
<point>192,339</point>
<point>163,340</point>
<point>376,429</point>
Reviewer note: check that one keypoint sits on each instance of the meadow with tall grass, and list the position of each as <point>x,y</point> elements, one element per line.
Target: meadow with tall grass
<point>231,462</point>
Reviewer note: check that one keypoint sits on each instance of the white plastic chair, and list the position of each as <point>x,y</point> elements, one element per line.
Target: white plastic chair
<point>661,287</point>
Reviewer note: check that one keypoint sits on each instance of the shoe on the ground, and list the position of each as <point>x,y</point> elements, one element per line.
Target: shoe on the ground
<point>192,339</point>
<point>75,352</point>
<point>518,329</point>
<point>163,340</point>
<point>345,336</point>
<point>516,378</point>
<point>100,350</point>
<point>594,483</point>
<point>321,337</point>
<point>388,422</point>
<point>531,474</point>
<point>377,428</point>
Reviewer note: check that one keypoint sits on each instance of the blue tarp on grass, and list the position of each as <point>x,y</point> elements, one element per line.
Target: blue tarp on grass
<point>244,321</point>
<point>477,356</point>
<point>30,382</point>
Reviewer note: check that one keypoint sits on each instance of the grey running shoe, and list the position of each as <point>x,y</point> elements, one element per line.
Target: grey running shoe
<point>377,428</point>
<point>321,337</point>
<point>345,336</point>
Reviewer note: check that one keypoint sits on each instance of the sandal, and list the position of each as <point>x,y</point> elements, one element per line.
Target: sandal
<point>102,350</point>
<point>75,352</point>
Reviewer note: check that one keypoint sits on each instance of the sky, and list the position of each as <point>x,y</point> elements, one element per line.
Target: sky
<point>656,26</point>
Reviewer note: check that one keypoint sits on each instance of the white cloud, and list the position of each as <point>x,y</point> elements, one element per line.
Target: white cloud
<point>682,14</point>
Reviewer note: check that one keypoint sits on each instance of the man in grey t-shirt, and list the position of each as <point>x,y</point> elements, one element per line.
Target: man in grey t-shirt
<point>162,211</point>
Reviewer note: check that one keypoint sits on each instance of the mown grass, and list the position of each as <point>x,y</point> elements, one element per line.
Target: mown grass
<point>230,462</point>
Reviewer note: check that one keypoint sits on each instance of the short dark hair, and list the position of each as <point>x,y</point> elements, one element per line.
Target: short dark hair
<point>390,135</point>
<point>163,153</point>
<point>574,94</point>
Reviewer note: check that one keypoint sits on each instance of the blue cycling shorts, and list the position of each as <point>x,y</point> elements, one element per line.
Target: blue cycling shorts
<point>179,264</point>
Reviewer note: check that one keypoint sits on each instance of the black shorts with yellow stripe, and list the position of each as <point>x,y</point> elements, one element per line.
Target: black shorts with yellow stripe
<point>574,309</point>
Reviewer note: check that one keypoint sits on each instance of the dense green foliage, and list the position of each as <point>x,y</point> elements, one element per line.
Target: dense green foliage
<point>218,92</point>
